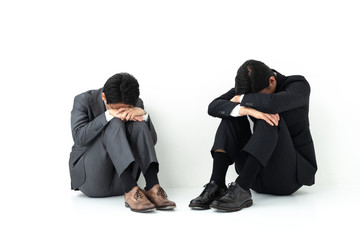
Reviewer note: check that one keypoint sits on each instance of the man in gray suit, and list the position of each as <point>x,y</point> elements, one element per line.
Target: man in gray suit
<point>114,141</point>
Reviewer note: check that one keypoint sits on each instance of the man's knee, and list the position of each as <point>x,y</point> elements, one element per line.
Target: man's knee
<point>114,130</point>
<point>137,127</point>
<point>234,125</point>
<point>263,123</point>
<point>238,121</point>
<point>263,127</point>
<point>116,123</point>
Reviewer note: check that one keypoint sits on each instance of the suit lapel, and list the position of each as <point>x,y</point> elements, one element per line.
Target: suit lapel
<point>97,103</point>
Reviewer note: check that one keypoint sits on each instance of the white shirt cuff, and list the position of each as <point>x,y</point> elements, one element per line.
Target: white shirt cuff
<point>241,97</point>
<point>108,116</point>
<point>235,111</point>
<point>146,117</point>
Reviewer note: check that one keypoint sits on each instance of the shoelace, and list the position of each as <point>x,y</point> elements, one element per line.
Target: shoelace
<point>161,192</point>
<point>231,190</point>
<point>208,188</point>
<point>138,194</point>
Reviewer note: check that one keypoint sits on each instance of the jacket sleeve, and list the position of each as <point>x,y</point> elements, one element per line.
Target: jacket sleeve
<point>295,95</point>
<point>84,130</point>
<point>221,107</point>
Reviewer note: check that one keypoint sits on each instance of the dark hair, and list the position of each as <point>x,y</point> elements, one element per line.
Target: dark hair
<point>121,88</point>
<point>252,76</point>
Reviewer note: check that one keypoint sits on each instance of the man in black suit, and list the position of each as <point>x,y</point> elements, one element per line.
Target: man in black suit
<point>278,156</point>
<point>114,140</point>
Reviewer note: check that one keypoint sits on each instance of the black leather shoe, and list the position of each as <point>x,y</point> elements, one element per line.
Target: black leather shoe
<point>210,193</point>
<point>235,199</point>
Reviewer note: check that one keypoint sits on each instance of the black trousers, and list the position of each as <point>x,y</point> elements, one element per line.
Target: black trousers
<point>271,145</point>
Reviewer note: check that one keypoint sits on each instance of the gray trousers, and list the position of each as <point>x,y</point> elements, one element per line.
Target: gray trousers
<point>119,145</point>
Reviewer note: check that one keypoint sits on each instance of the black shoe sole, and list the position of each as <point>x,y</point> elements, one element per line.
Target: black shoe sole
<point>246,204</point>
<point>139,211</point>
<point>199,206</point>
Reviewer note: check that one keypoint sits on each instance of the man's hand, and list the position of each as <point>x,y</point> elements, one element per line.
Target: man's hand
<point>269,118</point>
<point>236,99</point>
<point>112,111</point>
<point>130,114</point>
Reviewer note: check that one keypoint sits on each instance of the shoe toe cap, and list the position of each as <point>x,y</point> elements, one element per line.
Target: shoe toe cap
<point>196,201</point>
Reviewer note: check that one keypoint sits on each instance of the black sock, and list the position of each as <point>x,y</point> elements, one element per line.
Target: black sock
<point>127,180</point>
<point>151,176</point>
<point>220,166</point>
<point>247,175</point>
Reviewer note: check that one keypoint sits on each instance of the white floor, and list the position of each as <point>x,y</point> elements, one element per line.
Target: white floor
<point>313,212</point>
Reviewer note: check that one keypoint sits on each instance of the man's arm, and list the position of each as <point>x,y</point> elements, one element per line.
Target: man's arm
<point>135,113</point>
<point>84,130</point>
<point>227,105</point>
<point>221,107</point>
<point>295,95</point>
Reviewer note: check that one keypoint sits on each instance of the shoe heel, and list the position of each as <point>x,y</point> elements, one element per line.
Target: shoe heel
<point>127,205</point>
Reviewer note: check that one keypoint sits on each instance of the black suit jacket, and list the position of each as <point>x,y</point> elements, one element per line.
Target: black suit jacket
<point>291,101</point>
<point>87,122</point>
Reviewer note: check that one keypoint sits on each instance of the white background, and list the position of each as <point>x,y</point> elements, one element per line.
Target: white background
<point>184,54</point>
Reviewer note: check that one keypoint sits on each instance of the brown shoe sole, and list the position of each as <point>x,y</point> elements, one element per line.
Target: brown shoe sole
<point>166,208</point>
<point>140,210</point>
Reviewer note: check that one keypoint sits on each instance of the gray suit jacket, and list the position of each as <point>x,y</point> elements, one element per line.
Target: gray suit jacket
<point>87,122</point>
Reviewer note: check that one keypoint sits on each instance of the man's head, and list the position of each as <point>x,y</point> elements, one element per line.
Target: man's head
<point>121,90</point>
<point>254,77</point>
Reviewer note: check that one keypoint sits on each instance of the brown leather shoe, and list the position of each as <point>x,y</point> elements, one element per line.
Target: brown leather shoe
<point>137,201</point>
<point>158,197</point>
